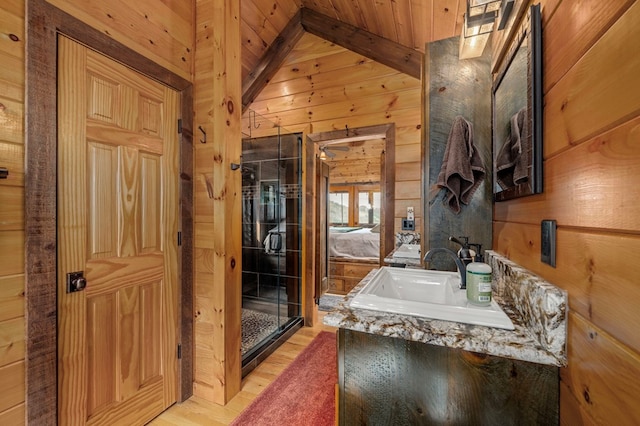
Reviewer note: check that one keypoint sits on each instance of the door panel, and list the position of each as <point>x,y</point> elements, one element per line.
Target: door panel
<point>118,223</point>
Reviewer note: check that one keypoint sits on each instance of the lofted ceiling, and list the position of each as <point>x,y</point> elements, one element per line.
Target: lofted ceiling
<point>269,27</point>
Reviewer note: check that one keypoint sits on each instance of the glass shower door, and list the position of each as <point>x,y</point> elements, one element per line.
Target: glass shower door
<point>271,267</point>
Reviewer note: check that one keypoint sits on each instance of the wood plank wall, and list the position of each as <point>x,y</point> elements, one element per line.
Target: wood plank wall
<point>591,175</point>
<point>361,164</point>
<point>12,312</point>
<point>161,31</point>
<point>332,88</point>
<point>217,193</point>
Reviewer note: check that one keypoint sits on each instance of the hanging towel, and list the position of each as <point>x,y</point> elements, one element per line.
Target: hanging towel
<point>462,167</point>
<point>512,163</point>
<point>267,244</point>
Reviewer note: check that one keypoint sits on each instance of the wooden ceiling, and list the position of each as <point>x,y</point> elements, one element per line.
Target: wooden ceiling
<point>385,27</point>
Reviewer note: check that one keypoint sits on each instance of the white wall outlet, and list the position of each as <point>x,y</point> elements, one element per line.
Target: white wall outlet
<point>410,213</point>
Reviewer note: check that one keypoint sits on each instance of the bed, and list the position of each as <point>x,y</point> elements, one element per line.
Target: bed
<point>353,253</point>
<point>354,243</point>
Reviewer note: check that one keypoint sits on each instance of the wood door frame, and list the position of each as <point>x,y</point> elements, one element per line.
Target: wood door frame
<point>387,184</point>
<point>322,192</point>
<point>44,23</point>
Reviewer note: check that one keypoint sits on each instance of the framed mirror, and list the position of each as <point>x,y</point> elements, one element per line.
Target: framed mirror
<point>517,113</point>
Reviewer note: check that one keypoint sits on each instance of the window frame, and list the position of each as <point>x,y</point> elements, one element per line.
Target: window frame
<point>354,201</point>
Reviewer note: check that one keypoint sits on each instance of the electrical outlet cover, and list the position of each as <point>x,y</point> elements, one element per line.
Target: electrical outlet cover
<point>408,225</point>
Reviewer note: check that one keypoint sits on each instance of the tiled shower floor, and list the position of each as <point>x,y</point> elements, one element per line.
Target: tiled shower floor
<point>256,326</point>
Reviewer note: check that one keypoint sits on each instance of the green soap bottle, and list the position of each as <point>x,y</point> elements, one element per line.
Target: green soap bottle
<point>479,283</point>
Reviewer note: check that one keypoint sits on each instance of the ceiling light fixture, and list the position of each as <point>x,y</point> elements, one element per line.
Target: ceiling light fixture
<point>326,151</point>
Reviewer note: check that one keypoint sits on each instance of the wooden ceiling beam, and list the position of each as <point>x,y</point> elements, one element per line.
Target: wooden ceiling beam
<point>271,60</point>
<point>379,49</point>
<point>385,51</point>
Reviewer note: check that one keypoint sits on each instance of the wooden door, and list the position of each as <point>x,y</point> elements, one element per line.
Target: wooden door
<point>322,206</point>
<point>118,216</point>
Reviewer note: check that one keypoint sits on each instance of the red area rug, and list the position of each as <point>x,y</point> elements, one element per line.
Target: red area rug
<point>304,394</point>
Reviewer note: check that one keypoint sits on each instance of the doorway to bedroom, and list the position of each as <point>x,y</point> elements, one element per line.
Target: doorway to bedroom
<point>355,196</point>
<point>354,206</point>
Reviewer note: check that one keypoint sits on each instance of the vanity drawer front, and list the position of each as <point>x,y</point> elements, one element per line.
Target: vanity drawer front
<point>350,283</point>
<point>357,270</point>
<point>335,268</point>
<point>336,285</point>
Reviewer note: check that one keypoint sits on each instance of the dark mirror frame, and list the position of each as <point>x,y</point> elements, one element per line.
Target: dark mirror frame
<point>529,36</point>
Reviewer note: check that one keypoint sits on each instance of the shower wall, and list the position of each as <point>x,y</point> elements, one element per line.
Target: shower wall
<point>271,239</point>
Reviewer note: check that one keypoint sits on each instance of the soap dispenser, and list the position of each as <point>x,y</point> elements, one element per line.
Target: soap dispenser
<point>478,279</point>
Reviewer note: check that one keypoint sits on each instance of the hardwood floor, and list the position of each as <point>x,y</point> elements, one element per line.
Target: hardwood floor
<point>196,411</point>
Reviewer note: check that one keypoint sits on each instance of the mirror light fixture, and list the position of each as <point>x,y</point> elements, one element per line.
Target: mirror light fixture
<point>479,22</point>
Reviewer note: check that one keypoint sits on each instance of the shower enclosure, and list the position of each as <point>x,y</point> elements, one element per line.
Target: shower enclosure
<point>271,243</point>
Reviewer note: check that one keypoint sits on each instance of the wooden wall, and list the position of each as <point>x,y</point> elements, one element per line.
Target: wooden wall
<point>591,175</point>
<point>361,164</point>
<point>12,311</point>
<point>160,30</point>
<point>329,87</point>
<point>217,202</point>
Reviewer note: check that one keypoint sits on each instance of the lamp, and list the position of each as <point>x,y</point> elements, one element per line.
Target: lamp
<point>479,21</point>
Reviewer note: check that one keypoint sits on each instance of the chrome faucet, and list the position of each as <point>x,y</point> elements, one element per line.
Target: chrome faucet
<point>461,267</point>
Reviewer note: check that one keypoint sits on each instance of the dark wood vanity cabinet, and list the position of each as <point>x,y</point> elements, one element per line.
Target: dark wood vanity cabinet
<point>391,381</point>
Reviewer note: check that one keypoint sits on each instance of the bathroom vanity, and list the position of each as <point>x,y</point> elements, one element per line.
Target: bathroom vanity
<point>404,369</point>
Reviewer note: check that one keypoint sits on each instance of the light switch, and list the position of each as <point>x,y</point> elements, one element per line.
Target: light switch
<point>548,242</point>
<point>410,213</point>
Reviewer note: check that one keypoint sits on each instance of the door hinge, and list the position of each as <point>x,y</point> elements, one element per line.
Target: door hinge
<point>179,238</point>
<point>179,351</point>
<point>179,125</point>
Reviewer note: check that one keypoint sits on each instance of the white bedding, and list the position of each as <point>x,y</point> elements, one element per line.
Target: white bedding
<point>358,244</point>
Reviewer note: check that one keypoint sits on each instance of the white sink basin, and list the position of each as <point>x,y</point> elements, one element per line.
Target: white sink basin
<point>427,294</point>
<point>411,251</point>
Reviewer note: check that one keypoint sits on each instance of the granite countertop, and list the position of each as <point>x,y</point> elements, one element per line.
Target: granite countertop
<point>402,261</point>
<point>537,309</point>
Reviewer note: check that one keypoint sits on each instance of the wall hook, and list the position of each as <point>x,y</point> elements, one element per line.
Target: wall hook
<point>204,135</point>
<point>254,119</point>
<point>346,127</point>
